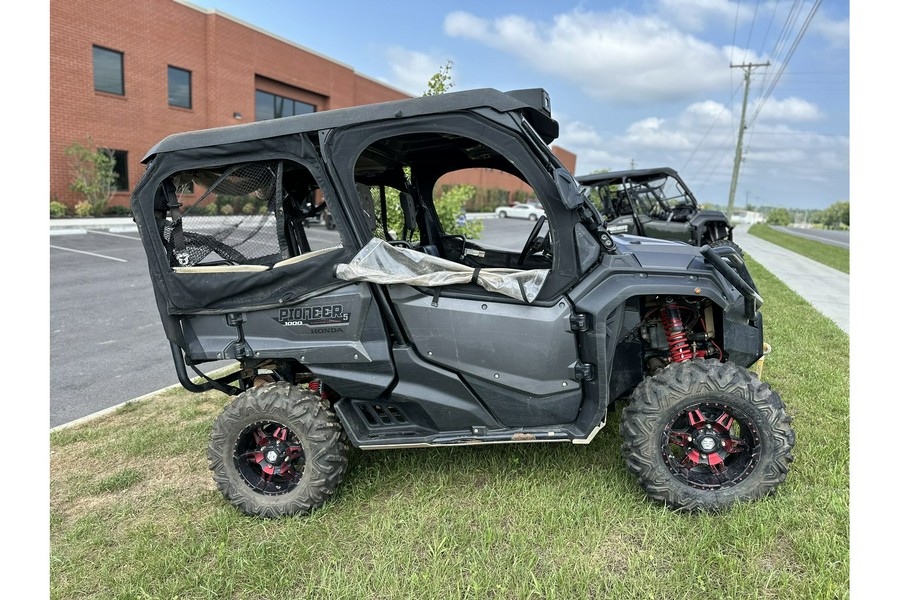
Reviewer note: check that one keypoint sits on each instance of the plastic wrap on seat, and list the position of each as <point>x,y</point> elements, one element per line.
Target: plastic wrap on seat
<point>380,262</point>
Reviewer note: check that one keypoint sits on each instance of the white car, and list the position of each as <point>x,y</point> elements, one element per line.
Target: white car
<point>520,211</point>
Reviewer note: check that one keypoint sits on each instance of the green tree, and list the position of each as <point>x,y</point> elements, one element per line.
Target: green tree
<point>836,216</point>
<point>93,174</point>
<point>779,216</point>
<point>451,212</point>
<point>441,81</point>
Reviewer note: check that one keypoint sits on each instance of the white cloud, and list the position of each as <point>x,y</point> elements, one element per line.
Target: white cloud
<point>612,56</point>
<point>706,111</point>
<point>700,15</point>
<point>696,14</point>
<point>411,70</point>
<point>581,134</point>
<point>789,109</point>
<point>837,33</point>
<point>700,141</point>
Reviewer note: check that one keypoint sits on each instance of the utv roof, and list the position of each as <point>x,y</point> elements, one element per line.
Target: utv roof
<point>633,175</point>
<point>535,103</point>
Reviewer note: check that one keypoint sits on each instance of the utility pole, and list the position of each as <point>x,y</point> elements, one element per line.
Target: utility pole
<point>632,164</point>
<point>747,68</point>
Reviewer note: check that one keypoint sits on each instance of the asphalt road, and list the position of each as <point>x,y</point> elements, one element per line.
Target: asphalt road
<point>106,342</point>
<point>840,239</point>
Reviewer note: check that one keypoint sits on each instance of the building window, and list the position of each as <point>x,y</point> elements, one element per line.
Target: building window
<point>179,87</point>
<point>270,106</point>
<point>121,169</point>
<point>109,71</point>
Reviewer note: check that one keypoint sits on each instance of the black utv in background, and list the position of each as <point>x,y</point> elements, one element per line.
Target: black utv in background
<point>656,203</point>
<point>389,333</point>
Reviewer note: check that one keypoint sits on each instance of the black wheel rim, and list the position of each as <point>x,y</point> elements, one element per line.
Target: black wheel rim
<point>269,458</point>
<point>711,446</point>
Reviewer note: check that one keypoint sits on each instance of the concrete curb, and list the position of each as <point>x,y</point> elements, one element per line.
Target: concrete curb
<point>114,224</point>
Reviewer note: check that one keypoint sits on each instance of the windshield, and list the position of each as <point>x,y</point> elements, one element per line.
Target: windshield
<point>665,191</point>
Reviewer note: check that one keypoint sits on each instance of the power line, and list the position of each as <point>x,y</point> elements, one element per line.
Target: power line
<point>769,26</point>
<point>787,59</point>
<point>788,26</point>
<point>750,33</point>
<point>783,34</point>
<point>737,12</point>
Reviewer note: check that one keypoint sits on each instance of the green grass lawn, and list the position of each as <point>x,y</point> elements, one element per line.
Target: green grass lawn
<point>134,512</point>
<point>832,256</point>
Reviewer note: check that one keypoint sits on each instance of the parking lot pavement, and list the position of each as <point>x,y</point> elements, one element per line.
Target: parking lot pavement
<point>827,289</point>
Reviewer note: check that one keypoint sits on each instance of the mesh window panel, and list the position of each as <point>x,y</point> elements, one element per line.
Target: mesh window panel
<point>230,216</point>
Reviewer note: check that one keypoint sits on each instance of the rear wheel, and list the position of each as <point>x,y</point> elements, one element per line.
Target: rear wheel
<point>701,435</point>
<point>277,450</point>
<point>502,214</point>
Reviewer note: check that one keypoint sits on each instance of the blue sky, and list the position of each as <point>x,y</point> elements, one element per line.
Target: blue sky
<point>648,82</point>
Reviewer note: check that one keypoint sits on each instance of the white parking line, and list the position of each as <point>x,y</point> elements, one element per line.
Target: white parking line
<point>127,237</point>
<point>88,253</point>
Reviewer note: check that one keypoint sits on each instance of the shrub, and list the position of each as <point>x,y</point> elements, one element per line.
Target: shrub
<point>201,210</point>
<point>451,212</point>
<point>84,209</point>
<point>226,209</point>
<point>93,174</point>
<point>779,216</point>
<point>57,209</point>
<point>249,208</point>
<point>122,211</point>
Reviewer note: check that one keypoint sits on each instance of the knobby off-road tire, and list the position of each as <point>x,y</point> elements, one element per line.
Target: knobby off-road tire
<point>701,435</point>
<point>277,450</point>
<point>728,243</point>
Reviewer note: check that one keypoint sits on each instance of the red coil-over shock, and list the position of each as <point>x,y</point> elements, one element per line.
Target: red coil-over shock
<point>317,387</point>
<point>679,348</point>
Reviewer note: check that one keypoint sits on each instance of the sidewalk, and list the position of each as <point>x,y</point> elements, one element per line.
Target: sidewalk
<point>827,289</point>
<point>77,226</point>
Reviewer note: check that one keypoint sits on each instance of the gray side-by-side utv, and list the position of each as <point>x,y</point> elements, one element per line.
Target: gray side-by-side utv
<point>388,332</point>
<point>656,203</point>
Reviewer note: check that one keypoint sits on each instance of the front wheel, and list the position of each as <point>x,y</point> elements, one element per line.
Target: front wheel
<point>701,435</point>
<point>502,214</point>
<point>277,450</point>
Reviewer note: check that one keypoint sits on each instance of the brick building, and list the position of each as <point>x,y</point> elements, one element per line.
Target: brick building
<point>126,74</point>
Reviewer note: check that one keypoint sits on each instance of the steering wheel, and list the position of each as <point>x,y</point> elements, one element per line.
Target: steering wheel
<point>530,242</point>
